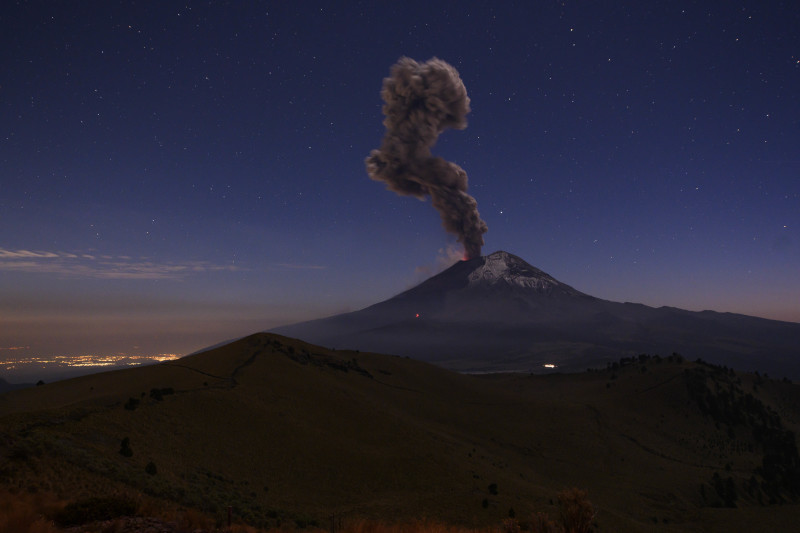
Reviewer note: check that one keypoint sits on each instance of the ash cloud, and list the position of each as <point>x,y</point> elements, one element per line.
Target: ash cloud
<point>421,101</point>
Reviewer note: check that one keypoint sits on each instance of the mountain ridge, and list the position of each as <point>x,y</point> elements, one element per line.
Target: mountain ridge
<point>497,312</point>
<point>6,386</point>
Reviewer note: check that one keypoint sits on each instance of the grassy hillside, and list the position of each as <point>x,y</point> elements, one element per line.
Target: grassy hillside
<point>286,432</point>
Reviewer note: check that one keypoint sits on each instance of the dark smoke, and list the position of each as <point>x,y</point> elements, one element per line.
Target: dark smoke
<point>422,100</point>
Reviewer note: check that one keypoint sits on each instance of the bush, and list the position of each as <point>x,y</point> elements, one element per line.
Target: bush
<point>94,509</point>
<point>577,512</point>
<point>541,523</point>
<point>125,448</point>
<point>22,512</point>
<point>131,404</point>
<point>510,526</point>
<point>158,394</point>
<point>151,468</point>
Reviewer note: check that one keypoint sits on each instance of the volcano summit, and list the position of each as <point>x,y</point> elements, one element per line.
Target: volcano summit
<point>498,313</point>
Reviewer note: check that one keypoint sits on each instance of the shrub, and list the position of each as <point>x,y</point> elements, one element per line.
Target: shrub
<point>22,512</point>
<point>541,523</point>
<point>158,394</point>
<point>510,526</point>
<point>131,404</point>
<point>125,448</point>
<point>577,513</point>
<point>94,509</point>
<point>151,468</point>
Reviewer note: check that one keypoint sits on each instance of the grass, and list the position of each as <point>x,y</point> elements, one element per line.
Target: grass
<point>23,512</point>
<point>44,513</point>
<point>288,435</point>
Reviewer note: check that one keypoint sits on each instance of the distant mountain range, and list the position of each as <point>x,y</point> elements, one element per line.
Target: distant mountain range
<point>6,386</point>
<point>498,313</point>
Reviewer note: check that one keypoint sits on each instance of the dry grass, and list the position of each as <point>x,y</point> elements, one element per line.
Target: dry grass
<point>577,513</point>
<point>541,523</point>
<point>289,434</point>
<point>27,513</point>
<point>22,512</point>
<point>415,526</point>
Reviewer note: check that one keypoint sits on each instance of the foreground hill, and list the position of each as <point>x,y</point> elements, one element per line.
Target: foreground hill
<point>283,431</point>
<point>497,312</point>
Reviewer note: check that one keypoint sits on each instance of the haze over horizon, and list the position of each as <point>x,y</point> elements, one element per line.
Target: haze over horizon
<point>174,176</point>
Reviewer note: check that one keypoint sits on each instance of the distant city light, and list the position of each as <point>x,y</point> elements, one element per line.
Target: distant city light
<point>549,365</point>
<point>84,361</point>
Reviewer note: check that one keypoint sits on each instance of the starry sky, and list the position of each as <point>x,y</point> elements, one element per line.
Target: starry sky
<point>173,175</point>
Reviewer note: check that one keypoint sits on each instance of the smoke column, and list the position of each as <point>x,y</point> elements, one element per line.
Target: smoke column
<point>422,100</point>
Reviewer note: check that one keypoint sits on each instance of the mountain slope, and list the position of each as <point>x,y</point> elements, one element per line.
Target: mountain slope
<point>499,313</point>
<point>283,430</point>
<point>5,386</point>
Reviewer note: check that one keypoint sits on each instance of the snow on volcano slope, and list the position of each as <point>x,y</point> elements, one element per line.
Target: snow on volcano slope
<point>505,268</point>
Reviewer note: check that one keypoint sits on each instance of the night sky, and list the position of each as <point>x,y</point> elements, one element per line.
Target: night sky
<point>173,175</point>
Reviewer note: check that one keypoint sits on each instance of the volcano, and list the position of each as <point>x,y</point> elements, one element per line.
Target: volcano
<point>498,313</point>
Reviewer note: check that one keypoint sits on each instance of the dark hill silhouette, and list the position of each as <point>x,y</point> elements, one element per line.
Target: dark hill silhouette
<point>5,386</point>
<point>497,312</point>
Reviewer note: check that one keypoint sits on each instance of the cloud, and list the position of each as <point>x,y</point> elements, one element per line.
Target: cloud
<point>445,258</point>
<point>293,266</point>
<point>26,254</point>
<point>102,267</point>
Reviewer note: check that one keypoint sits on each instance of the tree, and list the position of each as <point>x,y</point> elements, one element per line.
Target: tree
<point>125,448</point>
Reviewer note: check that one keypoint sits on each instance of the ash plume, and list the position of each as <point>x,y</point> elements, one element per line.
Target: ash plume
<point>421,101</point>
